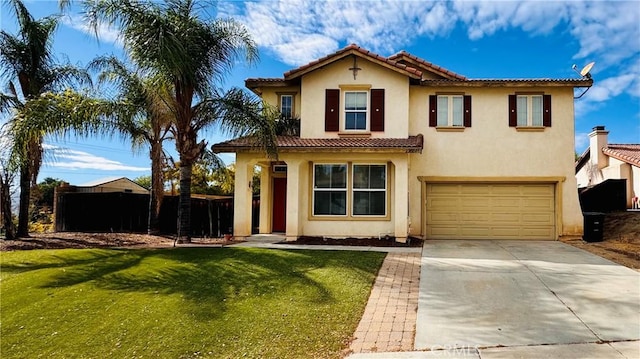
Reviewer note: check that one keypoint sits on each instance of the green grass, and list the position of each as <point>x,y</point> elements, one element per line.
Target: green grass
<point>182,303</point>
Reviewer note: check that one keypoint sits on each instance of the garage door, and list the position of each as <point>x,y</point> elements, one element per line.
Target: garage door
<point>490,211</point>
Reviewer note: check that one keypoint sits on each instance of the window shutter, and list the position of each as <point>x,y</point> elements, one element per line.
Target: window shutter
<point>467,111</point>
<point>513,114</point>
<point>546,110</point>
<point>332,110</point>
<point>377,109</point>
<point>433,110</point>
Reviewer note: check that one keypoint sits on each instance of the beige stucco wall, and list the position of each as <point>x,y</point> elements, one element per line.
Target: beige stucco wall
<point>490,148</point>
<point>338,76</point>
<point>300,221</point>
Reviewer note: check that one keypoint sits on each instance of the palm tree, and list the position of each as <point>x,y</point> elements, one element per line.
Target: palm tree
<point>174,40</point>
<point>144,114</point>
<point>27,58</point>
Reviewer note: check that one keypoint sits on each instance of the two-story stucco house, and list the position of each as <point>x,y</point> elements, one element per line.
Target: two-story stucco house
<point>399,146</point>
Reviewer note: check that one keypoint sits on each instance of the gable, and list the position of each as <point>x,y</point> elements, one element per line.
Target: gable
<point>353,51</point>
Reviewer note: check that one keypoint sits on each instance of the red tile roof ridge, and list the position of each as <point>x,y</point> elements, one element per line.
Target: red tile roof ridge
<point>426,63</point>
<point>361,50</point>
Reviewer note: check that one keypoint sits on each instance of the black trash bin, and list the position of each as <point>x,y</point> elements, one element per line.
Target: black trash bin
<point>593,226</point>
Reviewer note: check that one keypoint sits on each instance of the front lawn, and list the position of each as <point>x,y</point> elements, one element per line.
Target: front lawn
<point>182,303</point>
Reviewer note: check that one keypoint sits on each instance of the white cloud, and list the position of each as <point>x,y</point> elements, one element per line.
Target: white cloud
<point>105,32</point>
<point>582,141</point>
<point>299,31</point>
<point>80,160</point>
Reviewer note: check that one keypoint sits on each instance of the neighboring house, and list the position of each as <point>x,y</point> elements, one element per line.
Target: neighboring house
<point>110,184</point>
<point>603,160</point>
<point>399,146</point>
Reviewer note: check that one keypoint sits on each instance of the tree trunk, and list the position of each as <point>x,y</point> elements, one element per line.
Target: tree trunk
<point>184,206</point>
<point>23,206</point>
<point>157,187</point>
<point>5,208</point>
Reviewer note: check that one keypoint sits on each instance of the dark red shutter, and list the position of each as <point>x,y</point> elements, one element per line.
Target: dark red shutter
<point>467,111</point>
<point>513,113</point>
<point>377,109</point>
<point>332,110</point>
<point>433,110</point>
<point>546,110</point>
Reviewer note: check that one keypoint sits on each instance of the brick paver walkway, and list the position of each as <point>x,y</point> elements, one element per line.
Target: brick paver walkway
<point>389,319</point>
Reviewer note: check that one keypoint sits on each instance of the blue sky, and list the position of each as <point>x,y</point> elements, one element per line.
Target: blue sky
<point>478,39</point>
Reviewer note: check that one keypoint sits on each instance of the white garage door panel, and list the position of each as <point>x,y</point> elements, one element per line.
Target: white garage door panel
<point>486,210</point>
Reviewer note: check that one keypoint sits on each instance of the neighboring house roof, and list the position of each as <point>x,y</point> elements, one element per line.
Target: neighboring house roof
<point>296,144</point>
<point>106,180</point>
<point>417,66</point>
<point>629,153</point>
<point>102,181</point>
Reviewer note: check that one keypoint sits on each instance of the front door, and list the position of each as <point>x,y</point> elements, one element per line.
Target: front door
<point>279,204</point>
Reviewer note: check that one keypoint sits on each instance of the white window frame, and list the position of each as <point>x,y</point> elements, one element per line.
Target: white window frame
<point>365,111</point>
<point>448,111</point>
<point>282,97</point>
<point>354,189</point>
<point>316,189</point>
<point>533,118</point>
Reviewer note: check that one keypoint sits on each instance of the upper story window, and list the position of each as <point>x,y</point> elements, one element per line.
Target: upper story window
<point>530,110</point>
<point>355,110</point>
<point>450,110</point>
<point>286,105</point>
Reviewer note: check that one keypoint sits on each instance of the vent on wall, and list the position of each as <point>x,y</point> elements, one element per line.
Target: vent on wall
<point>279,168</point>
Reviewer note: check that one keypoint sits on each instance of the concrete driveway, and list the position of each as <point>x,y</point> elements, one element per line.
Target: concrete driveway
<point>525,299</point>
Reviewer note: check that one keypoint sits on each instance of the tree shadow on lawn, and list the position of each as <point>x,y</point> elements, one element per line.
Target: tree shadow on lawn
<point>212,278</point>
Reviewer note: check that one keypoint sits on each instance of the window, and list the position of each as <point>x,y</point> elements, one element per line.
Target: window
<point>355,110</point>
<point>369,190</point>
<point>450,111</point>
<point>330,189</point>
<point>529,110</point>
<point>286,105</point>
<point>354,114</point>
<point>532,110</point>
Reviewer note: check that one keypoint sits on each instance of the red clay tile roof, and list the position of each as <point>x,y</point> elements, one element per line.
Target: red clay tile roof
<point>394,62</point>
<point>296,144</point>
<point>629,153</point>
<point>403,55</point>
<point>357,50</point>
<point>509,82</point>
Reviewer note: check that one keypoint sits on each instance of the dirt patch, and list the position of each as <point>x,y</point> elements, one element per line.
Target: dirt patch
<point>621,240</point>
<point>365,242</point>
<point>60,240</point>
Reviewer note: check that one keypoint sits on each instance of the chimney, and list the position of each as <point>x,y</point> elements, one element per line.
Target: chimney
<point>597,141</point>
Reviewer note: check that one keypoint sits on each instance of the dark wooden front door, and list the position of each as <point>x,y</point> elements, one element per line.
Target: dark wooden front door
<point>279,205</point>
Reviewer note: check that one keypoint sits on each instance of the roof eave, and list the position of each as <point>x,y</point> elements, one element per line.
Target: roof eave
<point>509,83</point>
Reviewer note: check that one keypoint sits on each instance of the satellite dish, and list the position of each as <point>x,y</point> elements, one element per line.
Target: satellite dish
<point>585,72</point>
